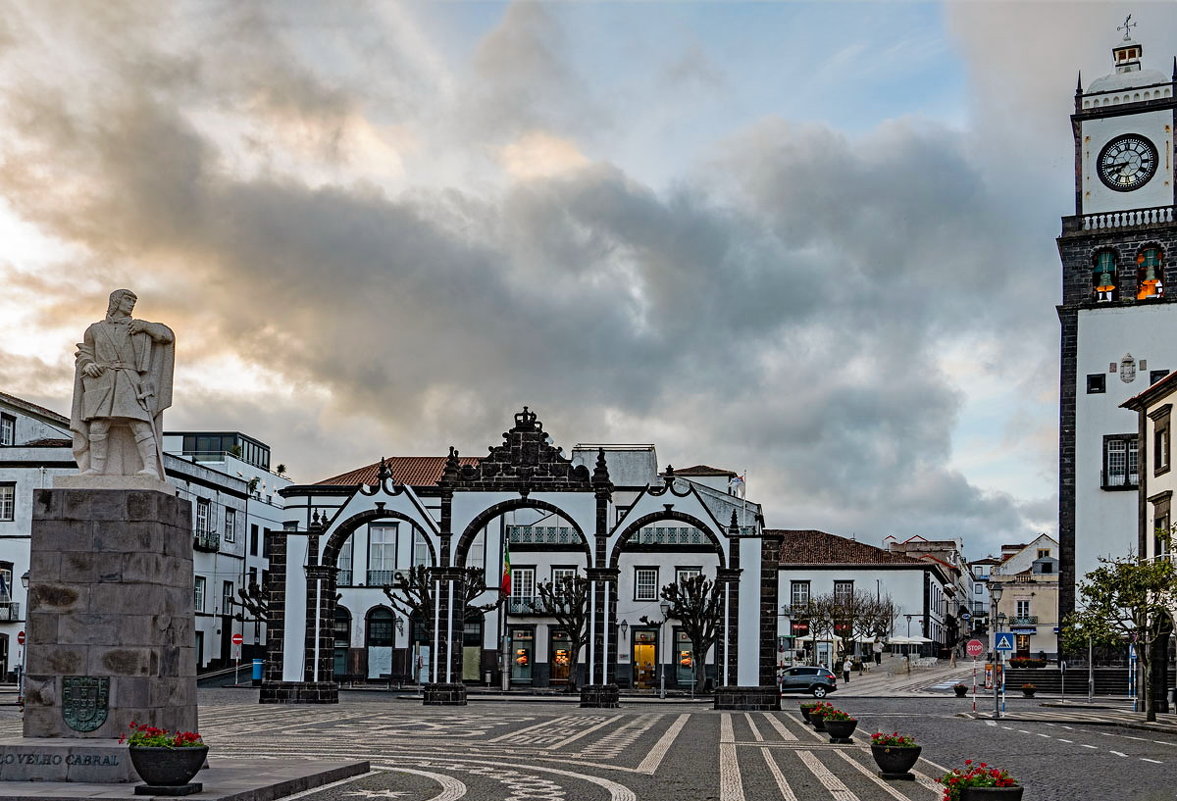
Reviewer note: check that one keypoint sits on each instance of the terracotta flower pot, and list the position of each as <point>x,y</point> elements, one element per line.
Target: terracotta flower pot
<point>840,730</point>
<point>991,793</point>
<point>167,767</point>
<point>896,761</point>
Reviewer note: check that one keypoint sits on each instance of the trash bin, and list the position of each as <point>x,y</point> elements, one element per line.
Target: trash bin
<point>257,672</point>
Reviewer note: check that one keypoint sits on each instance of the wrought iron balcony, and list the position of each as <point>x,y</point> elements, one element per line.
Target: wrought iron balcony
<point>9,611</point>
<point>524,605</point>
<point>209,541</point>
<point>1024,620</point>
<point>379,578</point>
<point>343,578</point>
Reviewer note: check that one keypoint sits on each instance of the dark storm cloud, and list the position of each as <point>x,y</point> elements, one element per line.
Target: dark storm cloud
<point>781,310</point>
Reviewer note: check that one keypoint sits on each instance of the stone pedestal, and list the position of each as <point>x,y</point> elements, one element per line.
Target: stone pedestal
<point>445,694</point>
<point>110,614</point>
<point>600,696</point>
<point>748,698</point>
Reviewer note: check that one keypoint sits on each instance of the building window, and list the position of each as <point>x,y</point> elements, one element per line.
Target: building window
<point>1160,441</point>
<point>523,583</point>
<point>1121,469</point>
<point>1096,383</point>
<point>203,515</point>
<point>1156,375</point>
<point>843,591</point>
<point>420,549</point>
<point>7,500</point>
<point>1022,609</point>
<point>7,429</point>
<point>1104,276</point>
<point>645,584</point>
<point>1150,273</point>
<point>5,582</point>
<point>227,598</point>
<point>381,554</point>
<point>230,525</point>
<point>681,574</point>
<point>1043,553</point>
<point>254,537</point>
<point>798,593</point>
<point>344,577</point>
<point>198,593</point>
<point>977,590</point>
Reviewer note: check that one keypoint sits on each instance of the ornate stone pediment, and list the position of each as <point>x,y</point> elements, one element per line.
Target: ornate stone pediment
<point>525,461</point>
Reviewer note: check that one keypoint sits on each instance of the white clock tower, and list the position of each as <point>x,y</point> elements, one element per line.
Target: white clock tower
<point>1119,309</point>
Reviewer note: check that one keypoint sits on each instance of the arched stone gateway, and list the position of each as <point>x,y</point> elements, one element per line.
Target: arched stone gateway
<point>456,520</point>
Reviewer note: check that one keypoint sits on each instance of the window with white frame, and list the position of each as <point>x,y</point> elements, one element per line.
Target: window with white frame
<point>561,573</point>
<point>7,500</point>
<point>420,549</point>
<point>7,429</point>
<point>227,600</point>
<point>343,562</point>
<point>523,582</point>
<point>382,542</point>
<point>1121,462</point>
<point>230,525</point>
<point>1022,609</point>
<point>843,591</point>
<point>645,584</point>
<point>798,593</point>
<point>198,593</point>
<point>203,515</point>
<point>476,556</point>
<point>5,582</point>
<point>681,574</point>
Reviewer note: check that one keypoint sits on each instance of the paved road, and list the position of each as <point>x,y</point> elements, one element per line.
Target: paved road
<point>517,751</point>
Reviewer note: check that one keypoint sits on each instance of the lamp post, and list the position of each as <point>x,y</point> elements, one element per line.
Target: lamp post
<point>995,592</point>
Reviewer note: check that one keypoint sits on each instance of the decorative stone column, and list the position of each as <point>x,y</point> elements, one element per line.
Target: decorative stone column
<point>450,600</point>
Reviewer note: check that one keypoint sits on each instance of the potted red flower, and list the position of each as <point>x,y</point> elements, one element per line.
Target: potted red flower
<point>840,726</point>
<point>817,715</point>
<point>895,754</point>
<point>163,758</point>
<point>978,781</point>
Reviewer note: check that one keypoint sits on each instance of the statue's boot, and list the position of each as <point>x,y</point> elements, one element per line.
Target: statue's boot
<point>97,456</point>
<point>149,456</point>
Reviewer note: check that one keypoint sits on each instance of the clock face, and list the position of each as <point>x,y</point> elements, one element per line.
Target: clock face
<point>1127,162</point>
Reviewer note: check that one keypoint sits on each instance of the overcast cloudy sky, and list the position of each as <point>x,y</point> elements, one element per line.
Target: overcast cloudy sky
<point>812,241</point>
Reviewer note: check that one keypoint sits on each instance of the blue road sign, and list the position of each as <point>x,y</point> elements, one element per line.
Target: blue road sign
<point>965,616</point>
<point>1004,641</point>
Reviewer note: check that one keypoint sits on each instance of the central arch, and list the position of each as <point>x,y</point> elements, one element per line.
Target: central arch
<point>483,518</point>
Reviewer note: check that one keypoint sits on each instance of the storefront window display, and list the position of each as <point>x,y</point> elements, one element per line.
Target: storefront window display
<point>522,654</point>
<point>684,667</point>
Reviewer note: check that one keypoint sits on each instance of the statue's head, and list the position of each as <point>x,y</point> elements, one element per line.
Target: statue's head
<point>116,300</point>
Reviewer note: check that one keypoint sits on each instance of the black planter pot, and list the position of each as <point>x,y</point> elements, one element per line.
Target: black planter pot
<point>840,730</point>
<point>1026,694</point>
<point>991,793</point>
<point>167,767</point>
<point>805,710</point>
<point>896,762</point>
<point>960,691</point>
<point>818,721</point>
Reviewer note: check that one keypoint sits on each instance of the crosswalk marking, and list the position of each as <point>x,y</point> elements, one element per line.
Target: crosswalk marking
<point>781,728</point>
<point>837,789</point>
<point>865,771</point>
<point>782,783</point>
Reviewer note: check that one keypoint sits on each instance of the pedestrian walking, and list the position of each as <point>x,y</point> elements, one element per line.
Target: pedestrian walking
<point>846,668</point>
<point>878,649</point>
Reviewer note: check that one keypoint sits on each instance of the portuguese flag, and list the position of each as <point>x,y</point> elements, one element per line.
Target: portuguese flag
<point>505,584</point>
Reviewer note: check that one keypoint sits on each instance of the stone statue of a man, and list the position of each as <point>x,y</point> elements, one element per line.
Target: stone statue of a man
<point>122,384</point>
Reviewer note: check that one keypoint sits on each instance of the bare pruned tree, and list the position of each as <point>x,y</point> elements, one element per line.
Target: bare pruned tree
<point>411,594</point>
<point>697,603</point>
<point>567,600</point>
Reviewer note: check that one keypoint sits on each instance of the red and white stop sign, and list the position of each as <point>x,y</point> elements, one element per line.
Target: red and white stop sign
<point>238,639</point>
<point>20,638</point>
<point>975,648</point>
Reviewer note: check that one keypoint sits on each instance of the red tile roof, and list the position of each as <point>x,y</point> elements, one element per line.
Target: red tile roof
<point>810,547</point>
<point>416,471</point>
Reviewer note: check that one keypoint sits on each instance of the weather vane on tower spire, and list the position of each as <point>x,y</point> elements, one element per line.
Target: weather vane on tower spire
<point>1127,27</point>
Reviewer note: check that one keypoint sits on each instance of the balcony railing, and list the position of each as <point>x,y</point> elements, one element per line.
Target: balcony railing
<point>1118,220</point>
<point>1024,620</point>
<point>209,541</point>
<point>9,611</point>
<point>380,578</point>
<point>542,535</point>
<point>343,578</point>
<point>523,605</point>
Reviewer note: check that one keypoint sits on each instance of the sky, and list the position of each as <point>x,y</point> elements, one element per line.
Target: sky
<point>808,242</point>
